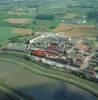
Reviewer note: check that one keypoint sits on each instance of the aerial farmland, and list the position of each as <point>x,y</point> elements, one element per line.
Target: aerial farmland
<point>48,50</point>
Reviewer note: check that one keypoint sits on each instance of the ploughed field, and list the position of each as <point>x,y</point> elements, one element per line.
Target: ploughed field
<point>77,30</point>
<point>39,87</point>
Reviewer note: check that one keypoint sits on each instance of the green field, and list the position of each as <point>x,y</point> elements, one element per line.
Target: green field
<point>61,10</point>
<point>5,33</point>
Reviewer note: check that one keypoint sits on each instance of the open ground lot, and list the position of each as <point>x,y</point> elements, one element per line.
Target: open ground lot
<point>40,87</point>
<point>19,20</point>
<point>78,30</point>
<point>17,13</point>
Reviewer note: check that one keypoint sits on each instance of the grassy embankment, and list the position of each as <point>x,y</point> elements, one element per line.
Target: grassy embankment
<point>92,87</point>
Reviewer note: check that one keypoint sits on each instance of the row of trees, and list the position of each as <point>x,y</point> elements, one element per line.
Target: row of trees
<point>15,25</point>
<point>45,17</point>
